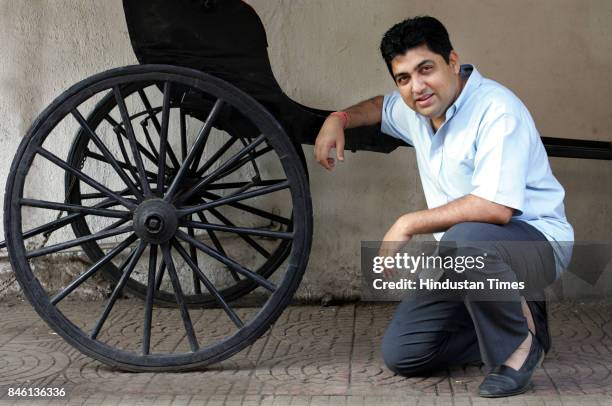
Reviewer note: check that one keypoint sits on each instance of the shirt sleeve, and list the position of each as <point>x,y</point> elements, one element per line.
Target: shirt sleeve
<point>394,114</point>
<point>501,162</point>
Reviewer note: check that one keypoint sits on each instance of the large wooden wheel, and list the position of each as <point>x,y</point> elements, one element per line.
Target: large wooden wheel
<point>182,189</point>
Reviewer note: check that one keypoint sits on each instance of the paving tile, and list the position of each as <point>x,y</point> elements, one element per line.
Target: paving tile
<point>311,356</point>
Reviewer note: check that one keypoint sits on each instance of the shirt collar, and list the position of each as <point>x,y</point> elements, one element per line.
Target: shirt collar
<point>474,80</point>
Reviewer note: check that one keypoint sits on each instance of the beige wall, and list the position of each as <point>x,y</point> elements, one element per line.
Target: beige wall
<point>556,55</point>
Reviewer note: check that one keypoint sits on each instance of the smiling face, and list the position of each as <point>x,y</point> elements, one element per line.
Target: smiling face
<point>427,84</point>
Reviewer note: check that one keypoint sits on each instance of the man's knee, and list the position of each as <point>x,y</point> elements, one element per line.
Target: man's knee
<point>471,239</point>
<point>469,231</point>
<point>410,355</point>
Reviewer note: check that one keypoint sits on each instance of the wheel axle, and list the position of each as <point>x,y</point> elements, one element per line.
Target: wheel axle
<point>155,221</point>
<point>154,224</point>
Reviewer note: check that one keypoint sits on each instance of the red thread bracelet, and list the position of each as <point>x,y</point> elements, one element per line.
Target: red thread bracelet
<point>343,115</point>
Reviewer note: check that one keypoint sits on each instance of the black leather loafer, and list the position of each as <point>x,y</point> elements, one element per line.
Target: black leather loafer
<point>505,381</point>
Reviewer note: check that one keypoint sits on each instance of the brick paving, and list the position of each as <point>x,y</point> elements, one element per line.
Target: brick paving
<point>312,356</point>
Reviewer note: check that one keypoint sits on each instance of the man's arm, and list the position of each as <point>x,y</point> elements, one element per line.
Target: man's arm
<point>467,208</point>
<point>331,135</point>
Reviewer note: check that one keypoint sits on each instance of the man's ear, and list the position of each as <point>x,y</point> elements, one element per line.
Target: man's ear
<point>453,61</point>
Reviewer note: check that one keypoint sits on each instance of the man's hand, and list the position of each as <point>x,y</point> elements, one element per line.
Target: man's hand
<point>330,136</point>
<point>394,240</point>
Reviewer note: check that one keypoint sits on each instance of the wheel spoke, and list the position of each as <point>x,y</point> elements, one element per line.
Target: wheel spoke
<point>231,161</point>
<point>106,153</point>
<point>156,124</point>
<point>183,131</point>
<point>127,271</point>
<point>78,241</point>
<point>131,168</point>
<point>146,339</point>
<point>243,236</point>
<point>93,269</point>
<point>192,251</point>
<point>200,150</point>
<point>146,112</point>
<point>180,300</point>
<point>200,141</point>
<point>251,158</point>
<point>74,208</point>
<point>144,124</point>
<point>116,224</point>
<point>120,131</point>
<point>132,139</point>
<point>209,285</point>
<point>240,230</point>
<point>194,256</point>
<point>96,195</point>
<point>227,261</point>
<point>215,157</point>
<point>160,275</point>
<point>252,210</point>
<point>163,138</point>
<point>240,185</point>
<point>217,244</point>
<point>91,182</point>
<point>253,182</point>
<point>126,157</point>
<point>59,223</point>
<point>233,198</point>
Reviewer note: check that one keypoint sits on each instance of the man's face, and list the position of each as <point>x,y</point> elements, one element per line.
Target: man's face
<point>427,84</point>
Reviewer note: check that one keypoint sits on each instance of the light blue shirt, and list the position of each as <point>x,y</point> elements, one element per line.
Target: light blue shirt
<point>488,146</point>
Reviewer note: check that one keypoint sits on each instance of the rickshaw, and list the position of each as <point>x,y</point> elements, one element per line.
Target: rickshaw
<point>181,181</point>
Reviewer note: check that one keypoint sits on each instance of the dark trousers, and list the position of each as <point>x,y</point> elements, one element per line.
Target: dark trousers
<point>432,333</point>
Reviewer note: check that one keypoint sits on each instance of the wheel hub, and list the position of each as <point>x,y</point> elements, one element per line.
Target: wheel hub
<point>155,221</point>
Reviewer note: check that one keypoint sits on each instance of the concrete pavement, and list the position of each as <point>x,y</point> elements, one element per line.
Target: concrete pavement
<point>312,356</point>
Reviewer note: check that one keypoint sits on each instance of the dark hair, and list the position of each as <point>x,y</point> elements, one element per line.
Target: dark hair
<point>412,33</point>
